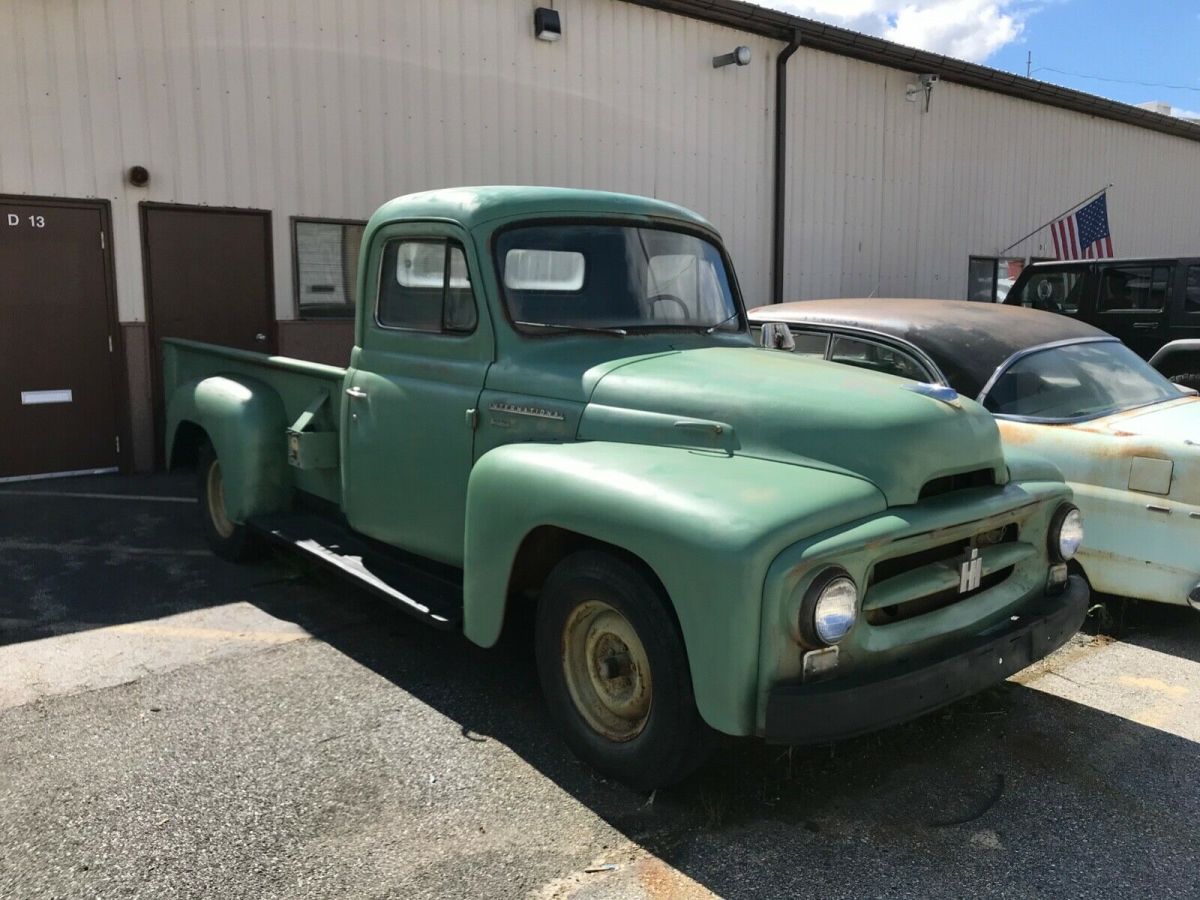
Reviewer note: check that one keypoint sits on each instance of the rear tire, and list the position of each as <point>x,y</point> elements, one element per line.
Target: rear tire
<point>1188,379</point>
<point>226,538</point>
<point>615,674</point>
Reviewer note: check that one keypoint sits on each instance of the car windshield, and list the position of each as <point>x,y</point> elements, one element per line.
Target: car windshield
<point>1077,381</point>
<point>617,278</point>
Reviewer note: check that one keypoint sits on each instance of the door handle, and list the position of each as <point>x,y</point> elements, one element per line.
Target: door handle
<point>356,393</point>
<point>1145,326</point>
<point>261,338</point>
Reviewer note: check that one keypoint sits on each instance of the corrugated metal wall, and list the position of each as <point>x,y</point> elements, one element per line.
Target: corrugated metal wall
<point>885,197</point>
<point>327,108</point>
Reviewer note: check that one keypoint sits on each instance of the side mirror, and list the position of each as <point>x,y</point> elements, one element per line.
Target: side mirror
<point>777,336</point>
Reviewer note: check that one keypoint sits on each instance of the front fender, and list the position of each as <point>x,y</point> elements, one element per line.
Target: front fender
<point>1169,358</point>
<point>707,523</point>
<point>245,420</point>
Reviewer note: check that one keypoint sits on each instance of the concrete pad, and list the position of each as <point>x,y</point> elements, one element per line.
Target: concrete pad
<point>95,658</point>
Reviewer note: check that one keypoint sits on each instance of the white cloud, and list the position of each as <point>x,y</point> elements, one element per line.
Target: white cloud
<point>967,29</point>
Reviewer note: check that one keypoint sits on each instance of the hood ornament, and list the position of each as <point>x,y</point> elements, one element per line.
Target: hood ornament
<point>947,395</point>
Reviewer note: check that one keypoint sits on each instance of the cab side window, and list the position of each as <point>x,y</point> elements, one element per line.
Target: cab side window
<point>876,357</point>
<point>1191,294</point>
<point>424,285</point>
<point>1134,288</point>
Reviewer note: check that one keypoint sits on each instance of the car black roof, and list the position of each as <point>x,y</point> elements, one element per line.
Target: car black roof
<point>968,341</point>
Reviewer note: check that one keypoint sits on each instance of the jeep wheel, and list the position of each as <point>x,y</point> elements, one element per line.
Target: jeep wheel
<point>1189,379</point>
<point>615,673</point>
<point>228,539</point>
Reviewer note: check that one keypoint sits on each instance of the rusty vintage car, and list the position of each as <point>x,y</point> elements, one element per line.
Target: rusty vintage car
<point>1126,439</point>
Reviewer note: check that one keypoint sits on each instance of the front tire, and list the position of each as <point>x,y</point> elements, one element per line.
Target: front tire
<point>228,539</point>
<point>614,671</point>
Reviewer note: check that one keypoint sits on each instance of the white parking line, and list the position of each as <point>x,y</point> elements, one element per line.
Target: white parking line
<point>87,496</point>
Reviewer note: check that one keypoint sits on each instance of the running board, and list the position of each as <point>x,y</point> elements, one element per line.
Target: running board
<point>430,592</point>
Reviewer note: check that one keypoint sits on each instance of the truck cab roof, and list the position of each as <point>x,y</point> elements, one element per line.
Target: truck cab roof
<point>473,206</point>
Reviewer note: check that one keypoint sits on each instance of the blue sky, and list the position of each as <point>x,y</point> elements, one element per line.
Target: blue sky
<point>1152,41</point>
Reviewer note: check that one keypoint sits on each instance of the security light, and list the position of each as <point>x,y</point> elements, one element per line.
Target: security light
<point>546,24</point>
<point>740,56</point>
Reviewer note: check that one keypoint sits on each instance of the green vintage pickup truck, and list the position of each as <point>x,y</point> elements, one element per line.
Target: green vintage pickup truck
<point>554,399</point>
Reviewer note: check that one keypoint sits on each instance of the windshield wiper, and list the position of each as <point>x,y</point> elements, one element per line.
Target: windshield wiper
<point>594,329</point>
<point>711,328</point>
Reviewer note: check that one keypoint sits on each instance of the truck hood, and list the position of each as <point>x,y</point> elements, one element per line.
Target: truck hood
<point>789,409</point>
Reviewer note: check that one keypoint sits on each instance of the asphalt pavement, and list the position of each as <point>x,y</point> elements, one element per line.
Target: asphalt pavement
<point>172,725</point>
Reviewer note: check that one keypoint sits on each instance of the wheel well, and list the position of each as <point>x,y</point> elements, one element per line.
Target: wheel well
<point>185,451</point>
<point>548,545</point>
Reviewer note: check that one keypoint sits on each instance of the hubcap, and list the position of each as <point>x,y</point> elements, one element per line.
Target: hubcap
<point>215,489</point>
<point>607,672</point>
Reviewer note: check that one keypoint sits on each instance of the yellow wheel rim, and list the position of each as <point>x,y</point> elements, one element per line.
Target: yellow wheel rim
<point>606,670</point>
<point>215,489</point>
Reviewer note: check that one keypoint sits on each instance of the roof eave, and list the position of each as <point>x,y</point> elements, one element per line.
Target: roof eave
<point>819,36</point>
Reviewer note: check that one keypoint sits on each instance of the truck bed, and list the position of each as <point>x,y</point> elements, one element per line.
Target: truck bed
<point>302,386</point>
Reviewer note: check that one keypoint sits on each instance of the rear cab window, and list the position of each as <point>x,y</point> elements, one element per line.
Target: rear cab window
<point>876,357</point>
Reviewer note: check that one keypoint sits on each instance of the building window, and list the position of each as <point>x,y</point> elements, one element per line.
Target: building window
<point>989,279</point>
<point>326,266</point>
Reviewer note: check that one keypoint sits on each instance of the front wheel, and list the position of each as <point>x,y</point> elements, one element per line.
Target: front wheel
<point>227,538</point>
<point>614,671</point>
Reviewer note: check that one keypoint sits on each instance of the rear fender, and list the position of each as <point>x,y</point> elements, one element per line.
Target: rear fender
<point>244,419</point>
<point>708,524</point>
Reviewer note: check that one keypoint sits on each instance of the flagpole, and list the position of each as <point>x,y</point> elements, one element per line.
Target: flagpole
<point>1054,219</point>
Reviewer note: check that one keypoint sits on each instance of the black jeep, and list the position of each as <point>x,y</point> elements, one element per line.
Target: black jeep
<point>1153,305</point>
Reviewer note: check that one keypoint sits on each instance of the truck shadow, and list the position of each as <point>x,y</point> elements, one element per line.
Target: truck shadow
<point>1013,791</point>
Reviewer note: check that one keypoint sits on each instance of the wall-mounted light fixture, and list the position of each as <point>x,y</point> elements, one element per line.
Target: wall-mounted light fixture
<point>546,24</point>
<point>139,176</point>
<point>740,57</point>
<point>923,88</point>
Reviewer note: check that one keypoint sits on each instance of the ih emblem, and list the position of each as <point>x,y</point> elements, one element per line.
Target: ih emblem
<point>970,572</point>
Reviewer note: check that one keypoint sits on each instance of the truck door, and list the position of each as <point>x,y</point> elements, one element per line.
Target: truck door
<point>425,343</point>
<point>1185,302</point>
<point>1131,304</point>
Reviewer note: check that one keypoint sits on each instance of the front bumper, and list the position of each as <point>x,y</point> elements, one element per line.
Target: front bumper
<point>845,707</point>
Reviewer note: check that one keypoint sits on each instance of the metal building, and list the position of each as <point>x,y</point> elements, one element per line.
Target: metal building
<point>203,168</point>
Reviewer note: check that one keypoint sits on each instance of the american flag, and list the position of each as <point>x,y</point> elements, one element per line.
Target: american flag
<point>1084,233</point>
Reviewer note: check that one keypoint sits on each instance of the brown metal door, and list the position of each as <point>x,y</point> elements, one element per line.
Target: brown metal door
<point>58,358</point>
<point>208,278</point>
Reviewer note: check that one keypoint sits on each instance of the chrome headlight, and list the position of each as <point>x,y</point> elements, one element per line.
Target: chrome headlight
<point>1066,533</point>
<point>830,608</point>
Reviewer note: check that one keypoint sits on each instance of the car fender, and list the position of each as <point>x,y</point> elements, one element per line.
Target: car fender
<point>245,421</point>
<point>1167,357</point>
<point>707,523</point>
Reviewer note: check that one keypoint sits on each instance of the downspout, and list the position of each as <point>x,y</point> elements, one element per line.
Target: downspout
<point>779,209</point>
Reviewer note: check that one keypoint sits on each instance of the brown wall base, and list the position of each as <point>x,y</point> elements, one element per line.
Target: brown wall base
<point>326,342</point>
<point>136,337</point>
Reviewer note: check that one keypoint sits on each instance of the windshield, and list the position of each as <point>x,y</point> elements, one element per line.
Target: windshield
<point>617,277</point>
<point>1077,381</point>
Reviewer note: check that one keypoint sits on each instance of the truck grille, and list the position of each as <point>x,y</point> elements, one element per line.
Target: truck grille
<point>898,588</point>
